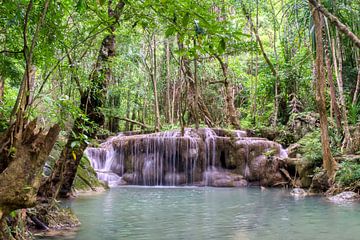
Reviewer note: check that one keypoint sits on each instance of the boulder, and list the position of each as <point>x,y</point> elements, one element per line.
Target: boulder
<point>344,197</point>
<point>298,192</point>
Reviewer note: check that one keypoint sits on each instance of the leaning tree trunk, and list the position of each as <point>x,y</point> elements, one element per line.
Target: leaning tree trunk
<point>347,138</point>
<point>63,175</point>
<point>357,88</point>
<point>328,161</point>
<point>334,105</point>
<point>231,112</point>
<point>339,25</point>
<point>61,180</point>
<point>269,63</point>
<point>153,75</point>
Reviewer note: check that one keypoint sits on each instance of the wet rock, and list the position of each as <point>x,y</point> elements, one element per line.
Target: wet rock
<point>298,192</point>
<point>221,178</point>
<point>347,196</point>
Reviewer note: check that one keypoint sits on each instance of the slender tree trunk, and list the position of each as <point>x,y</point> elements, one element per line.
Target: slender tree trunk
<point>269,63</point>
<point>196,111</point>
<point>334,105</point>
<point>168,109</point>
<point>127,127</point>
<point>357,88</point>
<point>339,25</point>
<point>231,112</point>
<point>329,163</point>
<point>347,138</point>
<point>154,82</point>
<point>2,88</point>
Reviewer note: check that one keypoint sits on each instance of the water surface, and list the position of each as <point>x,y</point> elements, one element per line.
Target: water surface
<point>211,213</point>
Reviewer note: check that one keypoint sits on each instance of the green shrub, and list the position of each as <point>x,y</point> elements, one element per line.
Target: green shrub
<point>348,173</point>
<point>310,147</point>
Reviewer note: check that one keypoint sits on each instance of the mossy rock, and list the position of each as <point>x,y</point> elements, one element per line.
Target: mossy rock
<point>86,178</point>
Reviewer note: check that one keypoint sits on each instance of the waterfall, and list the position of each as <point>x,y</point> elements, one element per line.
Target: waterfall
<point>203,157</point>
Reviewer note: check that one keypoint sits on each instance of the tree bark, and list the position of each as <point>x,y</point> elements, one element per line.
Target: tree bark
<point>196,90</point>
<point>168,109</point>
<point>347,143</point>
<point>357,88</point>
<point>339,25</point>
<point>154,82</point>
<point>2,88</point>
<point>334,105</point>
<point>329,163</point>
<point>20,178</point>
<point>231,112</point>
<point>190,83</point>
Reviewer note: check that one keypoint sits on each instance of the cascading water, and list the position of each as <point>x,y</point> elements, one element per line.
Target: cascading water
<point>204,157</point>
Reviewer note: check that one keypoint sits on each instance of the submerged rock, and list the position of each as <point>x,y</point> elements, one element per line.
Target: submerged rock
<point>347,196</point>
<point>221,178</point>
<point>298,192</point>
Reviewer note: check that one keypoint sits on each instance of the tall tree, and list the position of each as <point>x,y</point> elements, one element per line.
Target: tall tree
<point>92,98</point>
<point>328,160</point>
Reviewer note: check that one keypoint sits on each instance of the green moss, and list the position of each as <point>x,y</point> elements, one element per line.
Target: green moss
<point>86,178</point>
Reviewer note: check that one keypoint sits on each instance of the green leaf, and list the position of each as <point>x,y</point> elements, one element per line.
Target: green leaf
<point>101,2</point>
<point>222,46</point>
<point>170,31</point>
<point>80,6</point>
<point>74,144</point>
<point>185,20</point>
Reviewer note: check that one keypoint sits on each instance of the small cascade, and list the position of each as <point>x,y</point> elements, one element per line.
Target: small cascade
<point>210,154</point>
<point>203,157</point>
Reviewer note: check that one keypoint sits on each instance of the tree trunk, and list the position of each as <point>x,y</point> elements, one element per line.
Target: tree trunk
<point>329,163</point>
<point>20,178</point>
<point>154,82</point>
<point>357,88</point>
<point>196,90</point>
<point>269,63</point>
<point>191,93</point>
<point>63,175</point>
<point>334,105</point>
<point>23,147</point>
<point>231,112</point>
<point>347,138</point>
<point>168,109</point>
<point>2,88</point>
<point>339,25</point>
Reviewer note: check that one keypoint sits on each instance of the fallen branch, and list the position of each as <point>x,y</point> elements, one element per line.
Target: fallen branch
<point>135,122</point>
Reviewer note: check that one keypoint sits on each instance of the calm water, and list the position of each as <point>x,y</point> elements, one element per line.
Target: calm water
<point>211,213</point>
